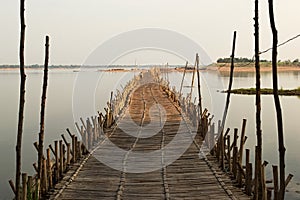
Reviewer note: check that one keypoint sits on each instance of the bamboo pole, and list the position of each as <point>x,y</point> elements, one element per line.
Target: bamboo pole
<point>199,87</point>
<point>258,107</point>
<point>21,101</point>
<point>61,155</point>
<point>29,188</point>
<point>73,149</point>
<point>44,177</point>
<point>63,158</point>
<point>56,161</point>
<point>192,84</point>
<point>222,150</point>
<point>49,171</point>
<point>269,194</point>
<point>181,85</point>
<point>79,149</point>
<point>234,161</point>
<point>228,98</point>
<point>12,186</point>
<point>275,181</point>
<point>288,179</point>
<point>24,188</point>
<point>228,154</point>
<point>35,167</point>
<point>277,104</point>
<point>249,179</point>
<point>264,188</point>
<point>241,150</point>
<point>42,116</point>
<point>68,154</point>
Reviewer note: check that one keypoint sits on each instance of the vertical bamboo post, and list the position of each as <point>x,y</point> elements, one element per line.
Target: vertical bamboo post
<point>235,137</point>
<point>257,165</point>
<point>212,139</point>
<point>228,153</point>
<point>21,101</point>
<point>241,150</point>
<point>199,87</point>
<point>269,194</point>
<point>234,161</point>
<point>275,180</point>
<point>95,133</point>
<point>76,147</point>
<point>24,184</point>
<point>86,142</point>
<point>73,149</point>
<point>29,188</point>
<point>56,161</point>
<point>44,176</point>
<point>263,178</point>
<point>49,171</point>
<point>227,100</point>
<point>181,85</point>
<point>219,126</point>
<point>42,116</point>
<point>258,107</point>
<point>68,154</point>
<point>61,164</point>
<point>221,148</point>
<point>249,179</point>
<point>79,149</point>
<point>63,158</point>
<point>192,84</point>
<point>277,104</point>
<point>234,156</point>
<point>247,156</point>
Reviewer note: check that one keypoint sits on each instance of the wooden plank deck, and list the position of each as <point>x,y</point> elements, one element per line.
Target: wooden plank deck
<point>189,177</point>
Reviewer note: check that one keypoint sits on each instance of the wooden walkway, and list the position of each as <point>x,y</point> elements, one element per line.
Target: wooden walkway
<point>189,177</point>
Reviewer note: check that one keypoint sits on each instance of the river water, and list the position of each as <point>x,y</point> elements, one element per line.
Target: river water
<point>59,114</point>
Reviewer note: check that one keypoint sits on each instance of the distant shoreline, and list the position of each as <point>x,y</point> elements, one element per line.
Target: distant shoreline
<point>250,68</point>
<point>220,67</point>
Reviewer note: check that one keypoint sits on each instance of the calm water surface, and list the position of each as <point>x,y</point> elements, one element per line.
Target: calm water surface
<point>243,106</point>
<point>59,114</point>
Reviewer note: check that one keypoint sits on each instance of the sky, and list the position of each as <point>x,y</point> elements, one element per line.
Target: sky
<point>77,27</point>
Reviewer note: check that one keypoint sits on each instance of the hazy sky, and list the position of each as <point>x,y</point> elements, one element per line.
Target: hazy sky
<point>77,27</point>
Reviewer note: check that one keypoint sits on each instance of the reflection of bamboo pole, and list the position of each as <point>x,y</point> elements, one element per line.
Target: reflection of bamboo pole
<point>22,99</point>
<point>42,116</point>
<point>277,104</point>
<point>258,160</point>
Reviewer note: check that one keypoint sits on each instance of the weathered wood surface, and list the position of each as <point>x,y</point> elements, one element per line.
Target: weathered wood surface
<point>189,177</point>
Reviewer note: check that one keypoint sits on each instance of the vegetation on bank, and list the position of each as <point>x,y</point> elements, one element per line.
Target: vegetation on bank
<point>266,91</point>
<point>243,61</point>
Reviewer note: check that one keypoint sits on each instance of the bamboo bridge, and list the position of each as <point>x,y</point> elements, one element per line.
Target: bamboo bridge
<point>180,160</point>
<point>189,177</point>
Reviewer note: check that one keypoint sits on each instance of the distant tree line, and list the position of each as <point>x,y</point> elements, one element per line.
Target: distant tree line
<point>248,60</point>
<point>237,60</point>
